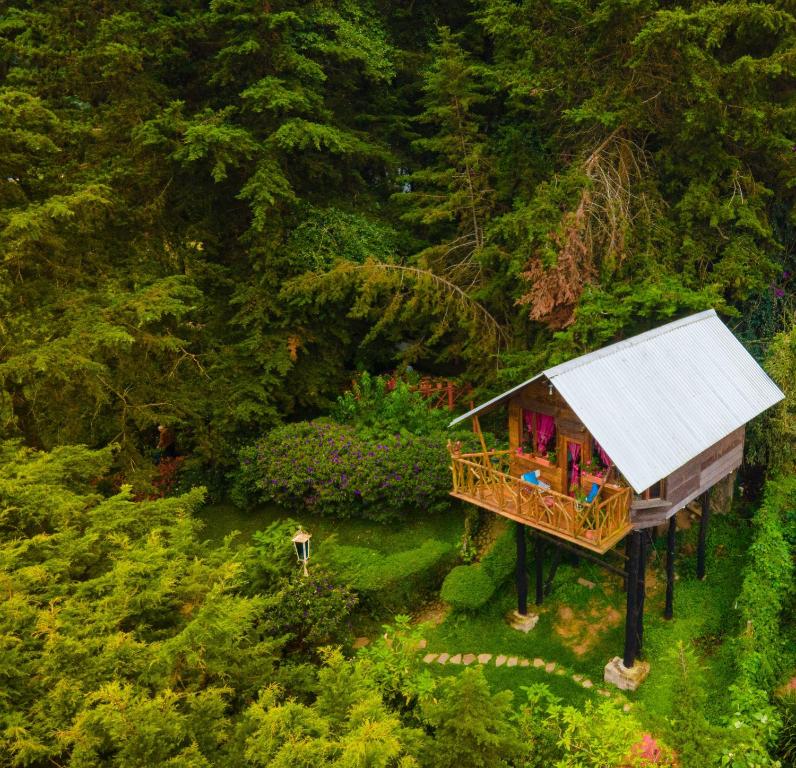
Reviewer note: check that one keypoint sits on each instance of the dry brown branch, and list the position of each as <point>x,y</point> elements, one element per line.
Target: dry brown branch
<point>594,234</point>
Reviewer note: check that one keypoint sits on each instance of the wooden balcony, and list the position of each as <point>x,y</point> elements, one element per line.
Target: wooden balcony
<point>486,480</point>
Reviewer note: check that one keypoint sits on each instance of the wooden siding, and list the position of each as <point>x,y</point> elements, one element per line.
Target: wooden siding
<point>692,480</point>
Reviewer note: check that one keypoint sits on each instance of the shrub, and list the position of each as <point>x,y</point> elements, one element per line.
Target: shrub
<point>499,562</point>
<point>376,407</point>
<point>332,469</point>
<point>767,584</point>
<point>389,582</point>
<point>467,587</point>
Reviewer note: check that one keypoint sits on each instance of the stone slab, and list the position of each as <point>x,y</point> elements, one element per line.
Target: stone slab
<point>587,684</point>
<point>429,657</point>
<point>523,623</point>
<point>501,660</point>
<point>586,583</point>
<point>468,658</point>
<point>577,678</point>
<point>550,666</point>
<point>422,644</point>
<point>443,658</point>
<point>483,658</point>
<point>457,659</point>
<point>512,662</point>
<point>524,662</point>
<point>616,673</point>
<point>538,662</point>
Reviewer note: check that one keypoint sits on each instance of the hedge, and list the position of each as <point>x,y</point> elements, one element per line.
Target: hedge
<point>767,586</point>
<point>467,587</point>
<point>470,587</point>
<point>387,583</point>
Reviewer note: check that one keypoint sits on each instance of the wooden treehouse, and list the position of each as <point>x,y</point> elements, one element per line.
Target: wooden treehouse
<point>610,444</point>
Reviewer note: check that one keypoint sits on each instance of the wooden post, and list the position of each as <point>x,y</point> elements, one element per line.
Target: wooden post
<point>522,571</point>
<point>668,611</point>
<point>450,395</point>
<point>477,430</point>
<point>628,542</point>
<point>703,533</point>
<point>539,558</point>
<point>642,573</point>
<point>631,618</point>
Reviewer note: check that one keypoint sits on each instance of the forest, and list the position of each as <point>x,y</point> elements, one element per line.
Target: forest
<point>265,225</point>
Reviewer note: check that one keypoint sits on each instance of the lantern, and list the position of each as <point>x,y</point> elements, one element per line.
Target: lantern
<point>301,541</point>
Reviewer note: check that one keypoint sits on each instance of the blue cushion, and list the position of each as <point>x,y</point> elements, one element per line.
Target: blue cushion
<point>595,489</point>
<point>530,477</point>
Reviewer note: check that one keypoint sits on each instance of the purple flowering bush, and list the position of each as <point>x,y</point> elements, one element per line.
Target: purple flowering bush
<point>334,470</point>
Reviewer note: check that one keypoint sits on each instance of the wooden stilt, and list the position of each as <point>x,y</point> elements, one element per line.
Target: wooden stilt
<point>539,559</point>
<point>548,585</point>
<point>642,573</point>
<point>668,611</point>
<point>628,541</point>
<point>703,533</point>
<point>631,619</point>
<point>522,571</point>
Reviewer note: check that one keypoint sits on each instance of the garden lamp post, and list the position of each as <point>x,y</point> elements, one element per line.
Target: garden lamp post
<point>301,541</point>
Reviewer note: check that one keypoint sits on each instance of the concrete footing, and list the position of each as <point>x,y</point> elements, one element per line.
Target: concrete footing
<point>616,673</point>
<point>522,623</point>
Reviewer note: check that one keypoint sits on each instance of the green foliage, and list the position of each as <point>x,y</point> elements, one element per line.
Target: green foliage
<point>114,609</point>
<point>467,588</point>
<point>767,586</point>
<point>596,736</point>
<point>390,582</point>
<point>696,741</point>
<point>471,725</point>
<point>470,587</point>
<point>330,468</point>
<point>376,408</point>
<point>499,562</point>
<point>786,746</point>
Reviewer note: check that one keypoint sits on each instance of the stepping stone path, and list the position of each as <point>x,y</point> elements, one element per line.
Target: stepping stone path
<point>551,667</point>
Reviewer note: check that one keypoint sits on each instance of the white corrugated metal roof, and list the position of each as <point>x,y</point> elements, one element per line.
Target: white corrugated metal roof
<point>658,399</point>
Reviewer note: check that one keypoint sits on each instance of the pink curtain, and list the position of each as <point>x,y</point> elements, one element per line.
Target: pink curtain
<point>604,457</point>
<point>574,454</point>
<point>528,418</point>
<point>545,429</point>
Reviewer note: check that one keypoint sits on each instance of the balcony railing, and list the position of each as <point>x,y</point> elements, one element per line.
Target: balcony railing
<point>485,479</point>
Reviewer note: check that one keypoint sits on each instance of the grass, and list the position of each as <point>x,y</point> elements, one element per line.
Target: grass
<point>393,566</point>
<point>408,533</point>
<point>572,630</point>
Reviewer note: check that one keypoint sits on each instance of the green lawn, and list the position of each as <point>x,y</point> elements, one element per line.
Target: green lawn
<point>408,533</point>
<point>582,628</point>
<point>579,628</point>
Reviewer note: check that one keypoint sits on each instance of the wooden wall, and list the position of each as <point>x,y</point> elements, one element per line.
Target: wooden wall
<point>681,487</point>
<point>693,479</point>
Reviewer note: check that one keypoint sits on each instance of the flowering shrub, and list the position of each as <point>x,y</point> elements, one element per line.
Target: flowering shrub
<point>330,468</point>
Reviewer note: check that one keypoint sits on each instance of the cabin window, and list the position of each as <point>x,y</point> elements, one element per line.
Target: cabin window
<point>654,491</point>
<point>538,433</point>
